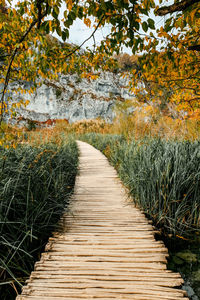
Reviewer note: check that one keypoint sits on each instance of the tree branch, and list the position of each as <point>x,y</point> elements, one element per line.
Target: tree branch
<point>193,99</point>
<point>177,6</point>
<point>195,47</point>
<point>11,61</point>
<point>92,35</point>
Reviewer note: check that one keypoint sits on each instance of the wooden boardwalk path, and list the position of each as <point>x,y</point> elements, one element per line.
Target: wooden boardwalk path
<point>104,249</point>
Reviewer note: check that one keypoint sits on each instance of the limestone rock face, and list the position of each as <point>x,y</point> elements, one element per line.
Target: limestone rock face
<point>74,98</point>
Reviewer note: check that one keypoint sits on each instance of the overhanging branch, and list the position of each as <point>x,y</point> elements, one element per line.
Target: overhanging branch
<point>92,35</point>
<point>7,78</point>
<point>195,47</point>
<point>177,6</point>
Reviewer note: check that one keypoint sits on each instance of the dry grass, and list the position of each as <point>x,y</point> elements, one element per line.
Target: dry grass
<point>137,126</point>
<point>88,126</point>
<point>43,136</point>
<point>61,130</point>
<point>145,122</point>
<point>149,122</point>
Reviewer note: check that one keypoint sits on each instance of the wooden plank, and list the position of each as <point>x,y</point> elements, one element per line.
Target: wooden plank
<point>96,280</point>
<point>133,297</point>
<point>109,273</point>
<point>93,292</point>
<point>166,281</point>
<point>98,265</point>
<point>95,258</point>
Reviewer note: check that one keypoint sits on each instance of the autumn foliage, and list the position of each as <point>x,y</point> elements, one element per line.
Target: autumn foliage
<point>165,67</point>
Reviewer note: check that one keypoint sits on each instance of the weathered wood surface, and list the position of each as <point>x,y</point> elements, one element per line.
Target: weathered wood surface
<point>105,248</point>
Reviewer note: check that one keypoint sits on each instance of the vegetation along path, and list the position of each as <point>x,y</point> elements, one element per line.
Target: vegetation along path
<point>104,248</point>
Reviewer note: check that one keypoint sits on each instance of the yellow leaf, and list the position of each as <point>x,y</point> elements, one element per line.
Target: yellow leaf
<point>87,22</point>
<point>69,4</point>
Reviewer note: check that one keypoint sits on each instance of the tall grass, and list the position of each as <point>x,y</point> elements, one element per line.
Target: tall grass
<point>35,186</point>
<point>163,178</point>
<point>149,122</point>
<point>145,122</point>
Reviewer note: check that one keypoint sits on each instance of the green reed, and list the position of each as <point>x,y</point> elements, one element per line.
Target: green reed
<point>35,186</point>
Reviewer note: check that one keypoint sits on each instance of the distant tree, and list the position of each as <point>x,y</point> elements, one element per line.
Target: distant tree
<point>127,62</point>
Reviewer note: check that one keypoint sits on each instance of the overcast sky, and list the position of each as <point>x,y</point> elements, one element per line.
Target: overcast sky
<point>79,31</point>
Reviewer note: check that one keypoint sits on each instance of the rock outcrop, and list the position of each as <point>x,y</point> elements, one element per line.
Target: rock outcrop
<point>73,98</point>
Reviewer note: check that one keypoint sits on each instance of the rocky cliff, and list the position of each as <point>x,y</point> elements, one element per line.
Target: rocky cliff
<point>73,98</point>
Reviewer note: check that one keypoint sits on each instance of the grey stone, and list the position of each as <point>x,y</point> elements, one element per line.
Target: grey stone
<point>73,98</point>
<point>189,290</point>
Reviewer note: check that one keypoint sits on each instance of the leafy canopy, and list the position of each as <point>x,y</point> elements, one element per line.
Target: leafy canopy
<point>169,64</point>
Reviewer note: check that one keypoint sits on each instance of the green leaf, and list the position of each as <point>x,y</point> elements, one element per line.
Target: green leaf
<point>145,26</point>
<point>80,12</point>
<point>65,14</point>
<point>58,30</point>
<point>73,15</point>
<point>68,22</point>
<point>54,14</point>
<point>168,25</point>
<point>151,23</point>
<point>143,11</point>
<point>64,37</point>
<point>136,25</point>
<point>47,29</point>
<point>56,9</point>
<point>65,34</point>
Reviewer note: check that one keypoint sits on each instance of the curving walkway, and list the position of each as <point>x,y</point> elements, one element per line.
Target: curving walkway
<point>105,248</point>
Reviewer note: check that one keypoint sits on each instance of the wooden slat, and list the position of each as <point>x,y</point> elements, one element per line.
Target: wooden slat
<point>104,247</point>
